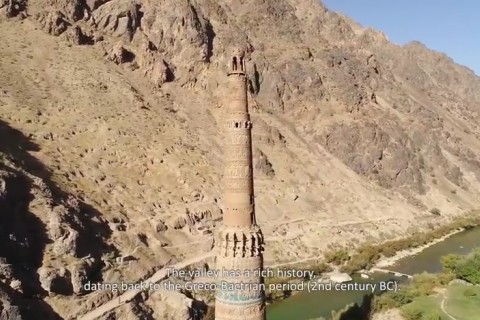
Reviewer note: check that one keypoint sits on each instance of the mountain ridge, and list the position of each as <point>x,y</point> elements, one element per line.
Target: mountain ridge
<point>356,139</point>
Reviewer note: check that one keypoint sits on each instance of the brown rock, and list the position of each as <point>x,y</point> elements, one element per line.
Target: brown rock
<point>120,55</point>
<point>158,72</point>
<point>13,7</point>
<point>262,165</point>
<point>52,22</point>
<point>8,309</point>
<point>65,238</point>
<point>94,4</point>
<point>118,17</point>
<point>153,66</point>
<point>79,279</point>
<point>74,10</point>
<point>6,272</point>
<point>56,281</point>
<point>76,36</point>
<point>81,273</point>
<point>372,152</point>
<point>178,222</point>
<point>161,226</point>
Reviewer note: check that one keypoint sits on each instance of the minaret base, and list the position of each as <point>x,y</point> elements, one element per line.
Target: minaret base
<point>240,291</point>
<point>237,312</point>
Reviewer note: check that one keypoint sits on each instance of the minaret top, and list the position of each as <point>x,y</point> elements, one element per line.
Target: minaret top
<point>237,62</point>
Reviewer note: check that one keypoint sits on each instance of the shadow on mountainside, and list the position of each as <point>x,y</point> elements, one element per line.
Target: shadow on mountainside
<point>23,235</point>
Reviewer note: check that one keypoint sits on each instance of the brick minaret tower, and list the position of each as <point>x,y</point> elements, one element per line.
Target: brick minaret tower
<point>239,240</point>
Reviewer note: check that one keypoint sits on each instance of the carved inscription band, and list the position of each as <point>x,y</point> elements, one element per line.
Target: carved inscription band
<point>236,152</point>
<point>238,139</point>
<point>237,184</point>
<point>234,170</point>
<point>238,296</point>
<point>231,312</point>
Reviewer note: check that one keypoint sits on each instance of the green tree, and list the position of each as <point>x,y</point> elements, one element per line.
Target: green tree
<point>337,257</point>
<point>384,302</point>
<point>469,268</point>
<point>470,272</point>
<point>413,313</point>
<point>450,262</point>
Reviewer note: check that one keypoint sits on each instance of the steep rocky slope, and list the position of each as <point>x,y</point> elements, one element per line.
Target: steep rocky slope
<point>111,142</point>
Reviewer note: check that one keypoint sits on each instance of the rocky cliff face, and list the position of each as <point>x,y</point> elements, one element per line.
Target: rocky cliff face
<point>111,144</point>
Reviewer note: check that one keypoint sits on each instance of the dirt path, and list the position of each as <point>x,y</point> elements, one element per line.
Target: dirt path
<point>129,295</point>
<point>442,305</point>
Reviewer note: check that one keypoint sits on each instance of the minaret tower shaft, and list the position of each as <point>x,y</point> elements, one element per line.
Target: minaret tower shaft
<point>240,293</point>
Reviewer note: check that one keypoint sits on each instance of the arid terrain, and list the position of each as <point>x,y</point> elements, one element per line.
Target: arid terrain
<point>111,144</point>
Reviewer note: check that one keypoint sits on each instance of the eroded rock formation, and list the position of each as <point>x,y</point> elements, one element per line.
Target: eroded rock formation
<point>119,105</point>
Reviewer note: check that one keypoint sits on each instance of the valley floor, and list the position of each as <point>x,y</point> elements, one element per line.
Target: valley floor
<point>456,302</point>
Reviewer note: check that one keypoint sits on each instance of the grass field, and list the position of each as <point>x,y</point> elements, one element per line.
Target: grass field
<point>425,308</point>
<point>463,302</point>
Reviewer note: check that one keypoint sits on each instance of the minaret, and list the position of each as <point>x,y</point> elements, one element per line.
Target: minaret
<point>240,293</point>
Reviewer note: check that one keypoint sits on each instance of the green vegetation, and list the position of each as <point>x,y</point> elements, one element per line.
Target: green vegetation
<point>367,255</point>
<point>463,267</point>
<point>337,257</point>
<point>463,301</point>
<point>421,286</point>
<point>422,298</point>
<point>413,300</point>
<point>424,308</point>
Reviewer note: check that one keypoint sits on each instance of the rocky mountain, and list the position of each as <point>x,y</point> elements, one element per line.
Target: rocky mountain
<point>111,145</point>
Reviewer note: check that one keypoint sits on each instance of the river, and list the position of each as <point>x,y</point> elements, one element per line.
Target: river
<point>311,305</point>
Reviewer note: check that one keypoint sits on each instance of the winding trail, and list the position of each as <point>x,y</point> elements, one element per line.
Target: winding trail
<point>442,305</point>
<point>129,295</point>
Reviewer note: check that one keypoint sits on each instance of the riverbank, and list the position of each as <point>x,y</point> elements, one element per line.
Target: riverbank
<point>455,288</point>
<point>321,303</point>
<point>367,256</point>
<point>361,258</point>
<point>399,255</point>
